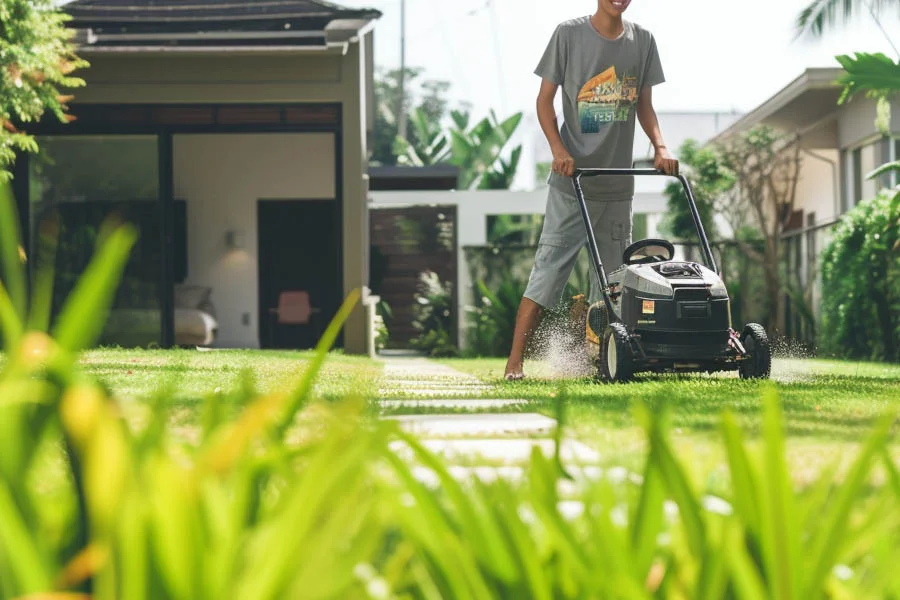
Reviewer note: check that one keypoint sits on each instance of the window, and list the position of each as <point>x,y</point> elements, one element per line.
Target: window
<point>858,163</point>
<point>857,178</point>
<point>82,181</point>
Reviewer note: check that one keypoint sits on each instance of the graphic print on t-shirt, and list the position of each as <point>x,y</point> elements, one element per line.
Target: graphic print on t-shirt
<point>605,99</point>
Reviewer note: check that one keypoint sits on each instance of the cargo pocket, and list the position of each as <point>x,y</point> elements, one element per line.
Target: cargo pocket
<point>621,234</point>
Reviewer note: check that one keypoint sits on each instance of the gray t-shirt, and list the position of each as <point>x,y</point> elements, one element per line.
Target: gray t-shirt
<point>600,80</point>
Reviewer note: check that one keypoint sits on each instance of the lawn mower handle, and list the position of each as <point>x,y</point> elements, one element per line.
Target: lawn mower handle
<point>592,241</point>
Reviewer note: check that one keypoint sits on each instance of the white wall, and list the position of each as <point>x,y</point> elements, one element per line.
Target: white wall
<point>818,188</point>
<point>856,122</point>
<point>221,176</point>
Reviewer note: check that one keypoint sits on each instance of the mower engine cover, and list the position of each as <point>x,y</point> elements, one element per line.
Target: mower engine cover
<point>680,309</point>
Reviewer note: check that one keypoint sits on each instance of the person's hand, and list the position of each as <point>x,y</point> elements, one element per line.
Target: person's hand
<point>664,161</point>
<point>563,163</point>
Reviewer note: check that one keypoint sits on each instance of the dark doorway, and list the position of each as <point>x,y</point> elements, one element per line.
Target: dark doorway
<point>299,251</point>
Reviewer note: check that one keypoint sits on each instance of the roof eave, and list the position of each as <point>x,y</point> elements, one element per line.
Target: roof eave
<point>811,79</point>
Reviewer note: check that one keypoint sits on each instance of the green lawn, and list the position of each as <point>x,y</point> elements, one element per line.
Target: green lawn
<point>829,407</point>
<point>194,375</point>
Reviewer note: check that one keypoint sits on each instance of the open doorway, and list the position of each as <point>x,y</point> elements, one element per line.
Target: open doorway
<point>299,251</point>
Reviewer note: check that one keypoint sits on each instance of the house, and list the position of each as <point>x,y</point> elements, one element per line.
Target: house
<point>839,146</point>
<point>234,135</point>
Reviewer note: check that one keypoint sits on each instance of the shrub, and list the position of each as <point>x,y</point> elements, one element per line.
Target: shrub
<point>861,282</point>
<point>433,316</point>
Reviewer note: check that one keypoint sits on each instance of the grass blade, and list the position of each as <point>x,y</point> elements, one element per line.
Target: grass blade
<point>12,269</point>
<point>42,290</point>
<point>17,546</point>
<point>10,323</point>
<point>744,481</point>
<point>678,486</point>
<point>830,535</point>
<point>647,520</point>
<point>744,575</point>
<point>780,536</point>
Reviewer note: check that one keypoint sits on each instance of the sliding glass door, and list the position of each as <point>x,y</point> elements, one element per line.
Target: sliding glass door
<point>84,182</point>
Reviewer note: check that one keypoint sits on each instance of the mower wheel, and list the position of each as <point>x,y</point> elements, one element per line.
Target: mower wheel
<point>616,362</point>
<point>756,343</point>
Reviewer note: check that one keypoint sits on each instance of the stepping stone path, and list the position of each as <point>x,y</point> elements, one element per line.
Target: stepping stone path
<point>483,444</point>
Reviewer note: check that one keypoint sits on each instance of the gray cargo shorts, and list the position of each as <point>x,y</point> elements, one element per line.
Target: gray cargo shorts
<point>564,236</point>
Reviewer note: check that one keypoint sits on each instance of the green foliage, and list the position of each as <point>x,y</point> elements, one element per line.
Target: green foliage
<point>476,149</point>
<point>427,97</point>
<point>861,282</point>
<point>506,230</point>
<point>433,316</point>
<point>710,177</point>
<point>296,499</point>
<point>492,319</point>
<point>877,76</point>
<point>871,73</point>
<point>823,15</point>
<point>382,334</point>
<point>36,61</point>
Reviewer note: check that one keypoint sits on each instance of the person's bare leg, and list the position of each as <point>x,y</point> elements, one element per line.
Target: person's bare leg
<point>527,318</point>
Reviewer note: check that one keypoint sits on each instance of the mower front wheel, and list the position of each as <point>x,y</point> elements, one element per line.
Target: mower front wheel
<point>616,361</point>
<point>756,342</point>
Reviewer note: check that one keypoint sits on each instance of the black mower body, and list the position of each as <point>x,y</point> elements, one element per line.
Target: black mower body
<point>664,315</point>
<point>679,314</point>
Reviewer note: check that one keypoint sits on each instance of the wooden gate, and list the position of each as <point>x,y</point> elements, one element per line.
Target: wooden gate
<point>407,242</point>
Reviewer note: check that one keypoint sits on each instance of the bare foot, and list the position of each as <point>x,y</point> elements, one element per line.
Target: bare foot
<point>514,373</point>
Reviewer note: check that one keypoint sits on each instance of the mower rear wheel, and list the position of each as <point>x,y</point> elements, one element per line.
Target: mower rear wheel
<point>756,343</point>
<point>616,362</point>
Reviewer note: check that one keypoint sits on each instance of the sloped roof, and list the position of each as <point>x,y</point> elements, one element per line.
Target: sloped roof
<point>201,22</point>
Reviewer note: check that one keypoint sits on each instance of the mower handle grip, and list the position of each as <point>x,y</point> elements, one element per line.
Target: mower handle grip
<point>614,171</point>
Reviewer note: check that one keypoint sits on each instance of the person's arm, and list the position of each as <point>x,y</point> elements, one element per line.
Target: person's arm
<point>662,158</point>
<point>563,163</point>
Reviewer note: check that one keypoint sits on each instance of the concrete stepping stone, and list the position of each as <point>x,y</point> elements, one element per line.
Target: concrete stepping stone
<point>504,451</point>
<point>476,424</point>
<point>430,392</point>
<point>452,403</point>
<point>445,382</point>
<point>420,367</point>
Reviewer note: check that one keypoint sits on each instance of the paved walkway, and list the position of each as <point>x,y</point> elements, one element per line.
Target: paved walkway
<point>486,444</point>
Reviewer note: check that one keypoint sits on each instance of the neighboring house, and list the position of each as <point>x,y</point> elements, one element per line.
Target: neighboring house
<point>839,146</point>
<point>233,133</point>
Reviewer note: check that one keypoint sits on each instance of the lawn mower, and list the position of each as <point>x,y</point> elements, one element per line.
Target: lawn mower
<point>663,315</point>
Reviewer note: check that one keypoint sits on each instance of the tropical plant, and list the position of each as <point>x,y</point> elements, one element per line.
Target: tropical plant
<point>478,150</point>
<point>823,15</point>
<point>425,97</point>
<point>492,319</point>
<point>36,61</point>
<point>433,316</point>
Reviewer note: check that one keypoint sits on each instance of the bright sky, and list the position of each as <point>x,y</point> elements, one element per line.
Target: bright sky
<point>717,54</point>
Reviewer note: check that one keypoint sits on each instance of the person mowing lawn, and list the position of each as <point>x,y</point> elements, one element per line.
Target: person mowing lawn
<point>606,67</point>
